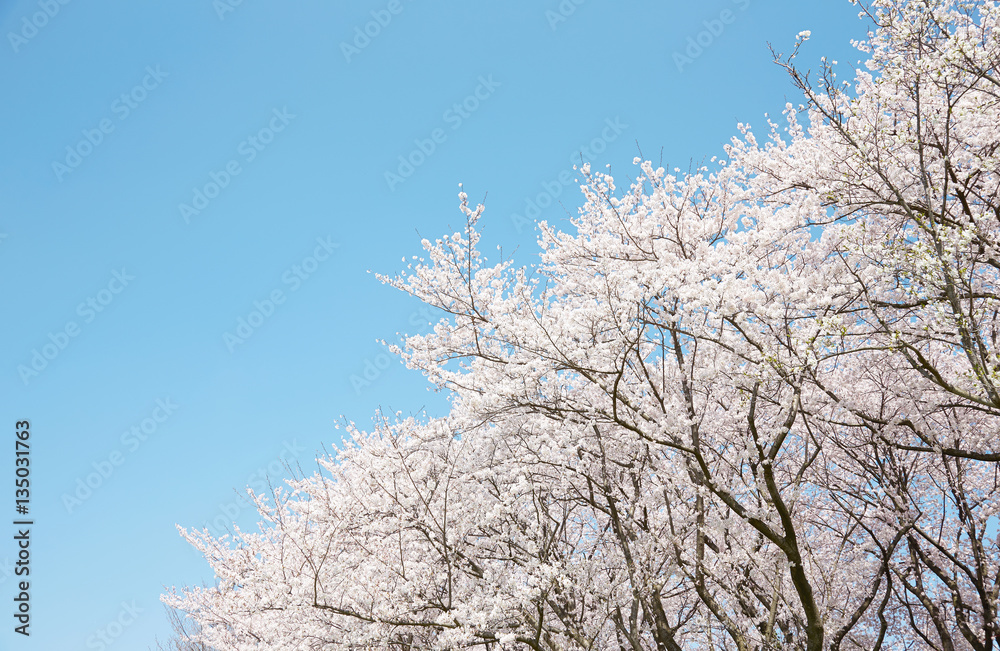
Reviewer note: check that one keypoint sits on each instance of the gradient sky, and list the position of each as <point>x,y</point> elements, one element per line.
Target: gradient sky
<point>116,114</point>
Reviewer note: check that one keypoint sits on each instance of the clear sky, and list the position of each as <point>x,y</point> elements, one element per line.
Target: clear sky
<point>170,169</point>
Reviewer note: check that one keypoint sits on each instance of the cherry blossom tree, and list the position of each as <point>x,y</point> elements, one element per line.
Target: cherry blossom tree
<point>754,406</point>
<point>183,631</point>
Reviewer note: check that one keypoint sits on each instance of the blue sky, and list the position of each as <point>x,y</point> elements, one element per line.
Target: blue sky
<point>170,169</point>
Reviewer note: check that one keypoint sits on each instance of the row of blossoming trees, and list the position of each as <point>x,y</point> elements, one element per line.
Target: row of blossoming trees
<point>753,407</point>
